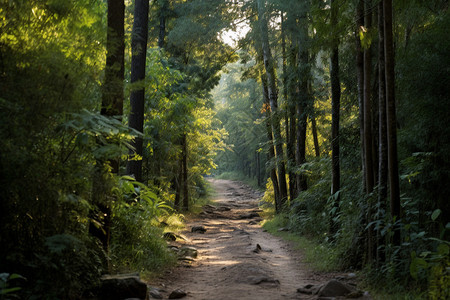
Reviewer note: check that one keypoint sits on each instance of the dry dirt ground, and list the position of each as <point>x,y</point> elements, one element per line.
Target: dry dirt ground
<point>236,258</point>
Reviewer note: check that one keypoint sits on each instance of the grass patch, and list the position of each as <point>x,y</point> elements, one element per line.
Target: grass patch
<point>322,257</point>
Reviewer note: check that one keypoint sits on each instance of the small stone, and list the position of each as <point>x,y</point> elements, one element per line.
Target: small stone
<point>257,249</point>
<point>198,229</point>
<point>188,252</point>
<point>283,229</point>
<point>170,236</point>
<point>308,289</point>
<point>334,288</point>
<point>177,294</point>
<point>262,279</point>
<point>155,294</point>
<point>122,287</point>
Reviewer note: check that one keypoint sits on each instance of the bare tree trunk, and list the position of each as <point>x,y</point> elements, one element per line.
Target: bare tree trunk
<point>315,137</point>
<point>335,115</point>
<point>137,97</point>
<point>304,94</point>
<point>273,99</point>
<point>112,92</point>
<point>394,184</point>
<point>368,106</point>
<point>162,24</point>
<point>289,117</point>
<point>360,77</point>
<point>382,151</point>
<point>112,105</point>
<point>271,152</point>
<point>185,184</point>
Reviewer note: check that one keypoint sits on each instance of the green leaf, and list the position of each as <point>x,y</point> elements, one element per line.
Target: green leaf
<point>10,290</point>
<point>443,249</point>
<point>435,214</point>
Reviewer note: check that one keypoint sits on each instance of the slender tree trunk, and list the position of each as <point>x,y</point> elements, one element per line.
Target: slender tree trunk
<point>293,96</point>
<point>271,152</point>
<point>137,97</point>
<point>335,115</point>
<point>289,117</point>
<point>315,137</point>
<point>360,78</point>
<point>258,168</point>
<point>368,106</point>
<point>177,182</point>
<point>273,99</point>
<point>382,151</point>
<point>112,105</point>
<point>162,24</point>
<point>391,117</point>
<point>185,173</point>
<point>304,94</point>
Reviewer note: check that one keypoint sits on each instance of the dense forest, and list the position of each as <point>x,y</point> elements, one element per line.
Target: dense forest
<point>113,112</point>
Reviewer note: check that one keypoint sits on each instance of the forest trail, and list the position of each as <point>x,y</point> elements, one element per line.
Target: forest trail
<point>230,265</point>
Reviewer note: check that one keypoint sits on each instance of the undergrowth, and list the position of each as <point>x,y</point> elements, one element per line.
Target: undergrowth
<point>321,256</point>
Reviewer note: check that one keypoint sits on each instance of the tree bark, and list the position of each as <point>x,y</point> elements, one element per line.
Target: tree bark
<point>304,94</point>
<point>273,99</point>
<point>162,24</point>
<point>112,105</point>
<point>271,152</point>
<point>289,117</point>
<point>335,115</point>
<point>315,137</point>
<point>382,150</point>
<point>185,173</point>
<point>137,97</point>
<point>360,78</point>
<point>368,106</point>
<point>112,92</point>
<point>394,184</point>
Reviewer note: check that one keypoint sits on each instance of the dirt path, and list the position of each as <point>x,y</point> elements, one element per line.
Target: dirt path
<point>230,265</point>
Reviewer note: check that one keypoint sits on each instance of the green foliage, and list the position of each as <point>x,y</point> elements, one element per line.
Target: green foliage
<point>308,216</point>
<point>6,280</point>
<point>321,256</point>
<point>67,266</point>
<point>136,241</point>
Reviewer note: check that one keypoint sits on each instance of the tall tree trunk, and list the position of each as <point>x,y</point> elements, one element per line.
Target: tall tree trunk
<point>273,99</point>
<point>394,184</point>
<point>360,78</point>
<point>112,92</point>
<point>137,97</point>
<point>185,173</point>
<point>112,105</point>
<point>162,24</point>
<point>304,94</point>
<point>335,115</point>
<point>289,117</point>
<point>271,152</point>
<point>368,105</point>
<point>293,96</point>
<point>315,137</point>
<point>382,151</point>
<point>258,168</point>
